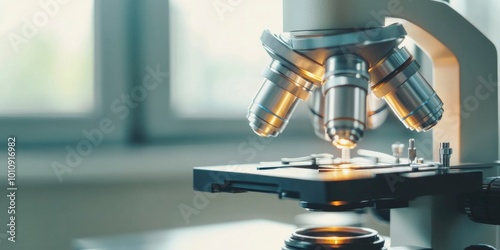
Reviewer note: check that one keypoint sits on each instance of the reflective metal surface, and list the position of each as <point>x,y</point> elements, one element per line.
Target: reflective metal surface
<point>345,89</point>
<point>342,64</point>
<point>376,112</point>
<point>270,110</point>
<point>371,44</point>
<point>334,238</point>
<point>317,110</point>
<point>396,79</point>
<point>444,154</point>
<point>412,151</point>
<point>290,77</point>
<point>280,50</point>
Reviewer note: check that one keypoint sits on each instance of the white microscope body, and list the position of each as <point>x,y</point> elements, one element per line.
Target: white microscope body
<point>464,76</point>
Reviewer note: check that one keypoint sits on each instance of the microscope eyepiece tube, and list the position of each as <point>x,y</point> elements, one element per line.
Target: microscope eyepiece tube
<point>397,80</point>
<point>345,89</point>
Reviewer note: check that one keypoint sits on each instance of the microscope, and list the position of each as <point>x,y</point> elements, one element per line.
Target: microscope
<point>345,58</point>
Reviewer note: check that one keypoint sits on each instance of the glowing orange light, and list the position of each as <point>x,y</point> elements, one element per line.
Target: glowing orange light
<point>338,203</point>
<point>344,143</point>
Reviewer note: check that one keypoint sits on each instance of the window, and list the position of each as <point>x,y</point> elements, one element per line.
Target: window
<point>85,54</point>
<point>61,65</point>
<point>45,38</point>
<point>216,55</point>
<point>216,60</point>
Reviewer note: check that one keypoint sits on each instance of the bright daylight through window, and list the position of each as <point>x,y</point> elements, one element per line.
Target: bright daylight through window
<point>216,56</point>
<point>46,58</point>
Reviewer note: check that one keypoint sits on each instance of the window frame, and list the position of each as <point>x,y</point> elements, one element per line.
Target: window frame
<point>110,66</point>
<point>161,121</point>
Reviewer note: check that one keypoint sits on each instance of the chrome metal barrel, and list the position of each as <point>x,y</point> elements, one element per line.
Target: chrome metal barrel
<point>397,80</point>
<point>289,78</point>
<point>345,87</point>
<point>377,111</point>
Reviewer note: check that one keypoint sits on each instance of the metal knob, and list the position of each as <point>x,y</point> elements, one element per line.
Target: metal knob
<point>445,154</point>
<point>483,206</point>
<point>412,151</point>
<point>397,150</point>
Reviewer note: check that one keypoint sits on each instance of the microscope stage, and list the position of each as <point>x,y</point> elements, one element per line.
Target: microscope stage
<point>382,186</point>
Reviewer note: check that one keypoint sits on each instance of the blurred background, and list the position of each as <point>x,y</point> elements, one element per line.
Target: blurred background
<point>113,102</point>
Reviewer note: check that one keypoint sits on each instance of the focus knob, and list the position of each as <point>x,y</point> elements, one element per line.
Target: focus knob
<point>484,206</point>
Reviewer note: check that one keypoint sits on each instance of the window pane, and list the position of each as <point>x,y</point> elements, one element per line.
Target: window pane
<point>216,55</point>
<point>46,57</point>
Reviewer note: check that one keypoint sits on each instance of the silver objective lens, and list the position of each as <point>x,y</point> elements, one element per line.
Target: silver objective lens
<point>345,89</point>
<point>289,78</point>
<point>377,111</point>
<point>317,110</point>
<point>276,100</point>
<point>396,79</point>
